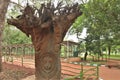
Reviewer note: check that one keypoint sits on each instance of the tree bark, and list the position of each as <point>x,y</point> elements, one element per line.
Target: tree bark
<point>109,50</point>
<point>3,10</point>
<point>47,56</point>
<point>46,41</point>
<point>47,32</point>
<point>85,56</point>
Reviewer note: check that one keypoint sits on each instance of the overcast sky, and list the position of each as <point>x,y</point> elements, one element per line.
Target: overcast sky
<point>74,38</point>
<point>68,36</point>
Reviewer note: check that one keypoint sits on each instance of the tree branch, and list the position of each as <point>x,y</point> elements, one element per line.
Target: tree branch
<point>20,6</point>
<point>68,22</point>
<point>47,16</point>
<point>20,24</point>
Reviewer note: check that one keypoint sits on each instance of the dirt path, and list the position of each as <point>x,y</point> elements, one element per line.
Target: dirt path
<point>104,72</point>
<point>14,72</point>
<point>109,74</point>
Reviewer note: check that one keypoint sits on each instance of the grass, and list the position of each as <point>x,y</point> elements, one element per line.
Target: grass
<point>116,57</point>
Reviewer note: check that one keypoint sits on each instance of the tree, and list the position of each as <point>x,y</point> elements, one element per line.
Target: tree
<point>47,27</point>
<point>101,18</point>
<point>3,10</point>
<point>12,35</point>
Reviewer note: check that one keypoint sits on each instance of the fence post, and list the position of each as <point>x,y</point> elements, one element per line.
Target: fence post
<point>11,55</point>
<point>97,71</point>
<point>23,53</point>
<point>81,72</point>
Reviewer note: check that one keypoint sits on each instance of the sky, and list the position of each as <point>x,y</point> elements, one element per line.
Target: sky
<point>74,38</point>
<point>68,36</point>
<point>55,1</point>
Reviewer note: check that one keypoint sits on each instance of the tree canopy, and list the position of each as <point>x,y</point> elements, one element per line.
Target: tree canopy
<point>47,25</point>
<point>12,35</point>
<point>102,20</point>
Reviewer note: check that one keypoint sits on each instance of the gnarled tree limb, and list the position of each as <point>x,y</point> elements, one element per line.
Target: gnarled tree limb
<point>46,16</point>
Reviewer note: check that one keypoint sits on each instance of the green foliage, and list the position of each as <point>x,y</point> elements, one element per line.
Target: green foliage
<point>116,57</point>
<point>11,35</point>
<point>102,20</point>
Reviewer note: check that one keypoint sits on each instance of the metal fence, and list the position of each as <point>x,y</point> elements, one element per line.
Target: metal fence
<point>18,53</point>
<point>82,71</point>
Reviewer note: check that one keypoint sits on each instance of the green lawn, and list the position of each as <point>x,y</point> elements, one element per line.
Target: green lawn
<point>115,57</point>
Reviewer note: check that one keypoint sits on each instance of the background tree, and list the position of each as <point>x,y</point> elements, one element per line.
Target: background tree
<point>47,27</point>
<point>12,35</point>
<point>3,10</point>
<point>101,18</point>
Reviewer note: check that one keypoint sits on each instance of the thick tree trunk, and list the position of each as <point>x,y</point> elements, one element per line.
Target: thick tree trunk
<point>47,56</point>
<point>3,10</point>
<point>47,63</point>
<point>47,32</point>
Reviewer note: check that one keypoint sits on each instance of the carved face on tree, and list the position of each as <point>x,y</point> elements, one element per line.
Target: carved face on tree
<point>47,27</point>
<point>46,16</point>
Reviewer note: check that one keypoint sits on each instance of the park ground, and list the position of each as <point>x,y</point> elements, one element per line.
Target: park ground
<point>15,72</point>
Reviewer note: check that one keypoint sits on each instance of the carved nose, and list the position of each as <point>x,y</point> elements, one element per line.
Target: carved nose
<point>47,66</point>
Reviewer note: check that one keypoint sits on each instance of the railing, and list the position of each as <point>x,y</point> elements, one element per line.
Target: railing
<point>19,53</point>
<point>86,72</point>
<point>24,54</point>
<point>92,73</point>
